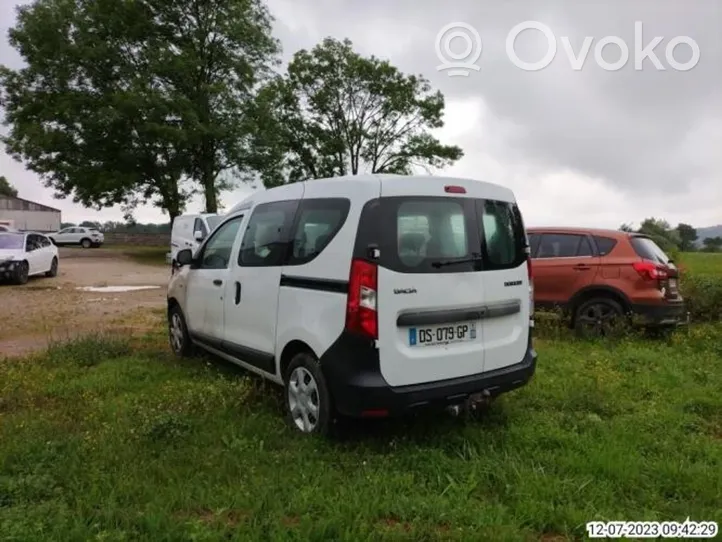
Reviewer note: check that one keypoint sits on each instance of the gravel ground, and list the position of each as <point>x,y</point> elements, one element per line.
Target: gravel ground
<point>53,309</point>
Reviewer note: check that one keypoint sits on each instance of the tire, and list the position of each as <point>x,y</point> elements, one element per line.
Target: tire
<point>22,273</point>
<point>53,272</point>
<point>180,341</point>
<point>86,243</point>
<point>309,408</point>
<point>598,317</point>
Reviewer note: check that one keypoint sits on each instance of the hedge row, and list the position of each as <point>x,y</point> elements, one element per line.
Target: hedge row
<point>703,296</point>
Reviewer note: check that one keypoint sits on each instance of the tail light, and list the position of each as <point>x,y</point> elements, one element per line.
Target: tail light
<point>650,271</point>
<point>530,274</point>
<point>361,314</point>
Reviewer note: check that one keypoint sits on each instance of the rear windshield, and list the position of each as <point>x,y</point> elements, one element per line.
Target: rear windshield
<point>443,234</point>
<point>649,250</point>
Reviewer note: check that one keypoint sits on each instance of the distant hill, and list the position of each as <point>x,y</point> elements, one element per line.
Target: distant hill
<point>712,231</point>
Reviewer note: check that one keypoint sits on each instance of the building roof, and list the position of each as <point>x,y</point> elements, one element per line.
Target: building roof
<point>42,206</point>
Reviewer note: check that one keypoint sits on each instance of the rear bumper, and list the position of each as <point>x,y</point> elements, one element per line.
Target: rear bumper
<point>668,314</point>
<point>351,368</point>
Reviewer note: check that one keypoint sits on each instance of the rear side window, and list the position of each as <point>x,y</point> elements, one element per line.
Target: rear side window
<point>503,234</point>
<point>266,238</point>
<point>563,245</point>
<point>317,223</point>
<point>649,250</point>
<point>605,245</point>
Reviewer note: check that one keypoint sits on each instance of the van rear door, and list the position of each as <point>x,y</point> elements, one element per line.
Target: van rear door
<point>433,305</point>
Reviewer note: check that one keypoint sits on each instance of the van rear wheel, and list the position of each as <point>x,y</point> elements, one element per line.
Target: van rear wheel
<point>309,407</point>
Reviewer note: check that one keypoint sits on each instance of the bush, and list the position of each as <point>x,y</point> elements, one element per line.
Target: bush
<point>703,296</point>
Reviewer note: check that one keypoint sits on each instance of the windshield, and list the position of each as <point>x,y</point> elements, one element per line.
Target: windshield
<point>11,241</point>
<point>213,221</point>
<point>649,250</point>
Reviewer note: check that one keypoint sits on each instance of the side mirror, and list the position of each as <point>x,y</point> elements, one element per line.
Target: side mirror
<point>198,235</point>
<point>184,257</point>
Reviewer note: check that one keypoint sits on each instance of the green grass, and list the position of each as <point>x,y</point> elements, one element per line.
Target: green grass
<point>703,263</point>
<point>104,439</point>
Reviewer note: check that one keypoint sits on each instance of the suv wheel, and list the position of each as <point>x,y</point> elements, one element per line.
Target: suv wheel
<point>180,341</point>
<point>598,317</point>
<point>308,402</point>
<point>86,243</point>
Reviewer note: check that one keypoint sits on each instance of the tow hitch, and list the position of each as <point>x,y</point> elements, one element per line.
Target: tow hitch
<point>476,402</point>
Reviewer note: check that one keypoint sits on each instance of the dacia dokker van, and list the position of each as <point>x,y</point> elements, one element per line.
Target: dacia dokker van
<point>364,296</point>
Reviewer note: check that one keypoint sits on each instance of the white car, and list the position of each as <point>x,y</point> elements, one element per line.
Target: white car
<point>26,254</point>
<point>189,231</point>
<point>365,296</point>
<point>77,235</point>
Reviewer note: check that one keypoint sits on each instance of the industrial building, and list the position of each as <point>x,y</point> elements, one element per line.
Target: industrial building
<point>22,214</point>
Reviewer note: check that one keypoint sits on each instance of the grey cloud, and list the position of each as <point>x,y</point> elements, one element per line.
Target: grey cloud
<point>628,127</point>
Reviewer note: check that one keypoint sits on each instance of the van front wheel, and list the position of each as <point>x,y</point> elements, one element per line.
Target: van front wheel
<point>309,407</point>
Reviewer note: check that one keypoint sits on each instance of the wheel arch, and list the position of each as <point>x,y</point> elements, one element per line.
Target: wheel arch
<point>599,290</point>
<point>289,351</point>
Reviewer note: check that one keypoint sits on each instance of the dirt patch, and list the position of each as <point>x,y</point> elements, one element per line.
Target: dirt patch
<point>52,309</point>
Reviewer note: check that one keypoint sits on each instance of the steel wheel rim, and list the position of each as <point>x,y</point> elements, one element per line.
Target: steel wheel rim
<point>176,332</point>
<point>303,399</point>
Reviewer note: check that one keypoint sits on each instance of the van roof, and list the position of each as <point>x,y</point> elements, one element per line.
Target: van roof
<point>278,191</point>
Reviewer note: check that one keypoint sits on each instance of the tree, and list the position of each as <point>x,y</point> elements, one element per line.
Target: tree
<point>661,232</point>
<point>6,189</point>
<point>337,113</point>
<point>687,237</point>
<point>626,227</point>
<point>129,102</point>
<point>712,244</point>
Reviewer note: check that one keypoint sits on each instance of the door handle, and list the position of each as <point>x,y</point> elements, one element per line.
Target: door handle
<point>238,292</point>
<point>582,267</point>
<point>217,282</point>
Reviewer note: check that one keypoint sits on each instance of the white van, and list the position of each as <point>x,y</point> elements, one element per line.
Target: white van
<point>189,231</point>
<point>368,295</point>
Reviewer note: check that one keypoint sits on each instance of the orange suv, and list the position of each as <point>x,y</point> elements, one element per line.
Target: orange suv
<point>599,276</point>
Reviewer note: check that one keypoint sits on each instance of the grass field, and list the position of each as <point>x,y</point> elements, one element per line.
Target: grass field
<point>108,440</point>
<point>703,263</point>
<point>143,254</point>
<point>114,439</point>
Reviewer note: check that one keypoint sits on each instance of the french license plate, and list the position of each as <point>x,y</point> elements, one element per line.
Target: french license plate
<point>444,334</point>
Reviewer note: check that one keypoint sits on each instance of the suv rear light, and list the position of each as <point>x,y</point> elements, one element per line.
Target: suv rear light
<point>361,314</point>
<point>650,271</point>
<point>530,274</point>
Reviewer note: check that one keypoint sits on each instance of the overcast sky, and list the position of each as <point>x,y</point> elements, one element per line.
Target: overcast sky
<point>585,146</point>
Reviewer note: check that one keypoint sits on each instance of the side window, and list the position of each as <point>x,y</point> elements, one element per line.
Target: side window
<point>45,242</point>
<point>267,236</point>
<point>319,220</point>
<point>558,245</point>
<point>200,226</point>
<point>217,251</point>
<point>503,234</point>
<point>585,247</point>
<point>605,245</point>
<point>534,239</point>
<point>32,242</point>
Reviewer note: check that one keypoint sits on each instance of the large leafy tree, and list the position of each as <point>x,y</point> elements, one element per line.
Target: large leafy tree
<point>128,102</point>
<point>336,112</point>
<point>6,189</point>
<point>687,237</point>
